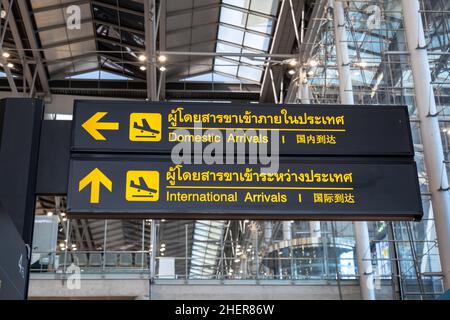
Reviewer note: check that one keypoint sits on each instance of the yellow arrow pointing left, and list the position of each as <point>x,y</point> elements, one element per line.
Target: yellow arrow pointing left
<point>95,178</point>
<point>92,125</point>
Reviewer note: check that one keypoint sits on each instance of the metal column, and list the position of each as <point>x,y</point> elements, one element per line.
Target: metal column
<point>287,230</point>
<point>304,96</point>
<point>346,96</point>
<point>150,35</point>
<point>429,128</point>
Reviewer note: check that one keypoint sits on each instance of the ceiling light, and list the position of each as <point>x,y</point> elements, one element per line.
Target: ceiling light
<point>291,72</point>
<point>143,68</point>
<point>62,244</point>
<point>293,62</point>
<point>74,249</point>
<point>5,54</point>
<point>162,58</point>
<point>49,214</point>
<point>64,219</point>
<point>3,14</point>
<point>162,254</point>
<point>142,57</point>
<point>10,65</point>
<point>63,214</point>
<point>163,245</point>
<point>74,245</point>
<point>163,220</point>
<point>162,249</point>
<point>162,69</point>
<point>236,260</point>
<point>362,64</point>
<point>310,73</point>
<point>313,63</point>
<point>246,221</point>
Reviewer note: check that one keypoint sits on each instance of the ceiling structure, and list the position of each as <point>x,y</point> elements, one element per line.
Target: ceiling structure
<point>93,47</point>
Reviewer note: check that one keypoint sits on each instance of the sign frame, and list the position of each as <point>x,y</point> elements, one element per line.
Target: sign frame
<point>82,142</point>
<point>275,214</point>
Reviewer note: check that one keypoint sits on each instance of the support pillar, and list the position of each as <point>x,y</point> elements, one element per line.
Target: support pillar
<point>287,230</point>
<point>304,97</point>
<point>150,35</point>
<point>346,96</point>
<point>429,129</point>
<point>268,227</point>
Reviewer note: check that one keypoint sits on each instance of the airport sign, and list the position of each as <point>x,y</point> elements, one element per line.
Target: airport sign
<point>302,188</point>
<point>156,127</point>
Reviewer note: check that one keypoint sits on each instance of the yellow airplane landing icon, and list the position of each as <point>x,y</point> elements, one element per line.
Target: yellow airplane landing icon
<point>145,127</point>
<point>142,186</point>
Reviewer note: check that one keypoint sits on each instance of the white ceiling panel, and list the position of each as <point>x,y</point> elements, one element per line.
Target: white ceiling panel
<point>58,35</point>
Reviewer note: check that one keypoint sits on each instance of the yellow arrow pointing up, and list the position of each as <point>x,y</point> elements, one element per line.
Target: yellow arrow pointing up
<point>95,178</point>
<point>92,125</point>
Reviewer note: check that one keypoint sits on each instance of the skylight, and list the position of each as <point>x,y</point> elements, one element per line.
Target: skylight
<point>245,26</point>
<point>98,75</point>
<point>212,77</point>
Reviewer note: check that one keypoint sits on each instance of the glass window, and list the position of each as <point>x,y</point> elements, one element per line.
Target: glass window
<point>222,47</point>
<point>250,73</point>
<point>230,34</point>
<point>98,75</point>
<point>265,6</point>
<point>260,24</point>
<point>225,66</point>
<point>256,41</point>
<point>234,17</point>
<point>257,61</point>
<point>238,3</point>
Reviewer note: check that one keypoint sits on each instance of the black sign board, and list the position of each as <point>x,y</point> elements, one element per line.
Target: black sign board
<point>155,127</point>
<point>303,188</point>
<point>13,260</point>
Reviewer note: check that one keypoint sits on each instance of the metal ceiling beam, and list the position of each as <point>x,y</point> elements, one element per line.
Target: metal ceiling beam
<point>283,41</point>
<point>9,76</point>
<point>67,43</point>
<point>3,60</point>
<point>58,6</point>
<point>196,9</point>
<point>228,54</point>
<point>26,19</point>
<point>70,59</point>
<point>18,44</point>
<point>315,22</point>
<point>149,23</point>
<point>162,46</point>
<point>62,25</point>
